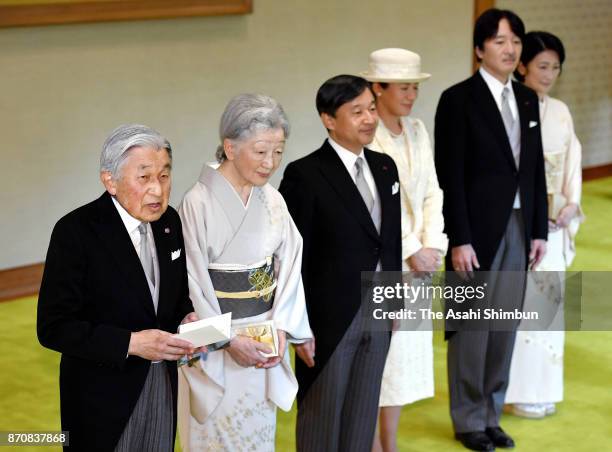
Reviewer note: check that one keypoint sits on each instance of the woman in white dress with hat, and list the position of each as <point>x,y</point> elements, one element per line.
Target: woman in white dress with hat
<point>395,75</point>
<point>536,372</point>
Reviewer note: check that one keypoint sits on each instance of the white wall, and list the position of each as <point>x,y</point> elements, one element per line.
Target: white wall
<point>64,88</point>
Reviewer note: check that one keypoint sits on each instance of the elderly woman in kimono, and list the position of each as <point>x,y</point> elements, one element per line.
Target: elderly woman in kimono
<point>408,376</point>
<point>536,372</point>
<point>243,256</point>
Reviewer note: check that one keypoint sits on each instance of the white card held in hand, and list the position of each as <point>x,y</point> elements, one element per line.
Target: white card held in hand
<point>207,331</point>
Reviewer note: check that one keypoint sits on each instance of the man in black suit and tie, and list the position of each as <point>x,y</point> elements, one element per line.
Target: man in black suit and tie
<point>114,290</point>
<point>345,201</point>
<point>490,166</point>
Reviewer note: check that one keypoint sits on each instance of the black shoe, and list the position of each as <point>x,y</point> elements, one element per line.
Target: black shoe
<point>499,437</point>
<point>475,440</point>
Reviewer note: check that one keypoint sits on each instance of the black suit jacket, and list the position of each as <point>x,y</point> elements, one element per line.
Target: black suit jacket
<point>477,172</point>
<point>94,293</point>
<point>340,241</point>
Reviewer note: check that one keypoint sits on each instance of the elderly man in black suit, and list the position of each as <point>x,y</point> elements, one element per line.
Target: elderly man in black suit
<point>345,201</point>
<point>114,290</point>
<point>490,166</point>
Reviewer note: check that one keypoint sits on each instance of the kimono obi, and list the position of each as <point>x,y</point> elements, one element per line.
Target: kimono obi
<point>244,290</point>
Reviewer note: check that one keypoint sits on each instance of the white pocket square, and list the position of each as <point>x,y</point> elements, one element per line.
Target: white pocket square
<point>174,255</point>
<point>395,188</point>
<point>533,124</point>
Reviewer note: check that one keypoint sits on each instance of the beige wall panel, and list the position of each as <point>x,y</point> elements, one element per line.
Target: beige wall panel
<point>64,88</point>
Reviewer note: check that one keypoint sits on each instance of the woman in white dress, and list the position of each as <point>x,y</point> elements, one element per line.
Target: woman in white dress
<point>244,256</point>
<point>536,372</point>
<point>395,75</point>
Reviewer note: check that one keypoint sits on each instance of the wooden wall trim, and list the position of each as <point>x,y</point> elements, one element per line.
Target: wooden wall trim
<point>597,172</point>
<point>20,281</point>
<point>102,11</point>
<point>480,6</point>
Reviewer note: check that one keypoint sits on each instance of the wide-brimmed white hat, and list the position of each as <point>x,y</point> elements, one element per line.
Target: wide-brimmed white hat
<point>394,66</point>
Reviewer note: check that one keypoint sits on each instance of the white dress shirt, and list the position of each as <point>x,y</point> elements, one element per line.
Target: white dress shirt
<point>496,87</point>
<point>131,224</point>
<point>349,158</point>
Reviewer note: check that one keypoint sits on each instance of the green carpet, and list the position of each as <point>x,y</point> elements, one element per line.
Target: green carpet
<point>29,386</point>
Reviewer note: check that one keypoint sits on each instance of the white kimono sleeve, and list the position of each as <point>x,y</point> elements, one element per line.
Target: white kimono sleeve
<point>289,311</point>
<point>433,220</point>
<point>572,190</point>
<point>206,382</point>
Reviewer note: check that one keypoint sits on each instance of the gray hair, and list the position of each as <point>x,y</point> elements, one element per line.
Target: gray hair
<point>125,137</point>
<point>247,114</point>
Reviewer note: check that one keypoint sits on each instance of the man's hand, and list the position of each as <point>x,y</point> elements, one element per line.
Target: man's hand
<point>246,351</point>
<point>425,260</point>
<point>566,215</point>
<point>157,345</point>
<point>193,317</point>
<point>306,352</point>
<point>464,260</point>
<point>537,253</point>
<point>282,344</point>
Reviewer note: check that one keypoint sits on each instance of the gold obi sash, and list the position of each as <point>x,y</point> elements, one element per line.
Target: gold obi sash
<point>245,291</point>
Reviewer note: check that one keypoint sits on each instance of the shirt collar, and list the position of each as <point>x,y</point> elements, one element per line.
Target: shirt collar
<point>348,158</point>
<point>130,223</point>
<point>495,86</point>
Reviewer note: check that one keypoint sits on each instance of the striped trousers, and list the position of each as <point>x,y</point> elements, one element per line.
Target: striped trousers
<point>340,409</point>
<point>150,427</point>
<point>478,362</point>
